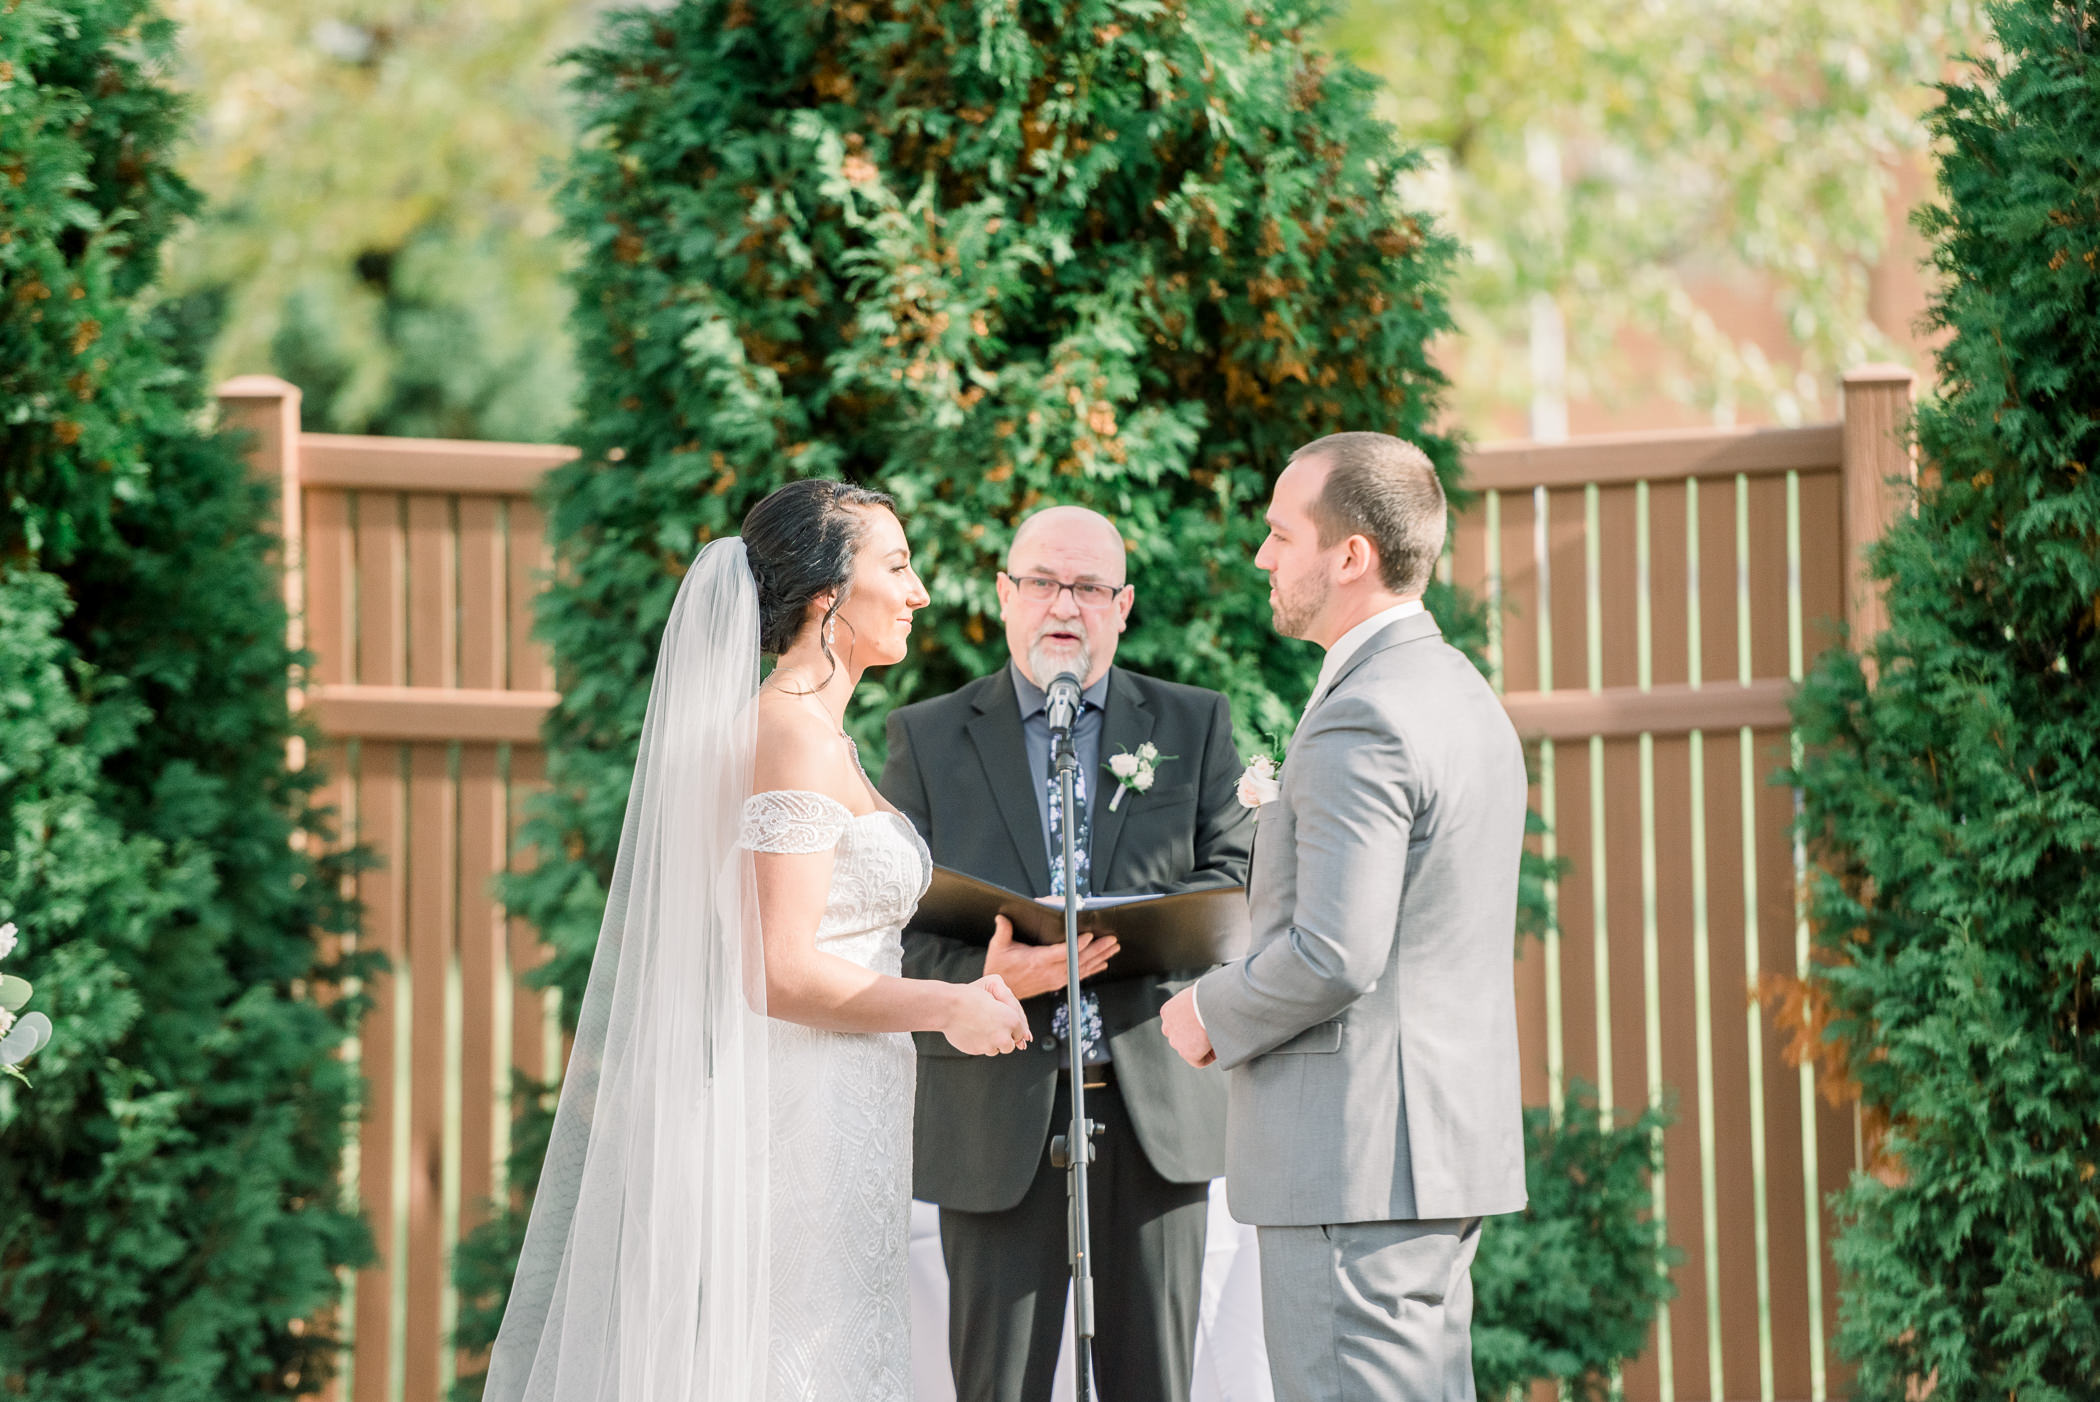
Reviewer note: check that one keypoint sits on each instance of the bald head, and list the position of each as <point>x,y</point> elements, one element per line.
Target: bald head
<point>1065,632</point>
<point>1068,531</point>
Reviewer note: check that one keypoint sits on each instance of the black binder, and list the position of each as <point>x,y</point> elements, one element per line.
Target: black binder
<point>1159,934</point>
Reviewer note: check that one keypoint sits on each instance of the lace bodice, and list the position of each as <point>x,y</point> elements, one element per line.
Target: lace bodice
<point>879,871</point>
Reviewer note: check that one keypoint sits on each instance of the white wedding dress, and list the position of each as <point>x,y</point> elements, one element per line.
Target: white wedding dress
<point>841,1119</point>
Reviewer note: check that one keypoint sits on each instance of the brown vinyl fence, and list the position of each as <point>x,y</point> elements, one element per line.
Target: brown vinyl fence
<point>1653,601</point>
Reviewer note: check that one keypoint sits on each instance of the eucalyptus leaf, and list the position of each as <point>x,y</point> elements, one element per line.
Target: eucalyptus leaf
<point>14,992</point>
<point>30,1035</point>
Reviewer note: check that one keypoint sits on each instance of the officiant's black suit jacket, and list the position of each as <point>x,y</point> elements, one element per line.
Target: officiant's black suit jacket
<point>958,768</point>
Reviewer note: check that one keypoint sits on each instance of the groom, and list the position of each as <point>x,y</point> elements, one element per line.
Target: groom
<point>972,771</point>
<point>1371,1031</point>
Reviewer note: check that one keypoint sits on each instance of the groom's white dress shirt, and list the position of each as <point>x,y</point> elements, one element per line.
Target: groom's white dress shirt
<point>1350,643</point>
<point>1345,647</point>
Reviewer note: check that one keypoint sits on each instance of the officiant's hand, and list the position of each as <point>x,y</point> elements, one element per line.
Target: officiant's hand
<point>1030,969</point>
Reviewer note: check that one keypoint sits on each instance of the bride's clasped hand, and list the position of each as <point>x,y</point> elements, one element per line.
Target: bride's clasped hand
<point>984,1018</point>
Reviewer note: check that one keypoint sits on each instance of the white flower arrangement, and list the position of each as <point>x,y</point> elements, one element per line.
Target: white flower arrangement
<point>1135,770</point>
<point>1258,783</point>
<point>23,1037</point>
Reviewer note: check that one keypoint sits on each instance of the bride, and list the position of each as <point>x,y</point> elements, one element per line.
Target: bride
<point>724,1208</point>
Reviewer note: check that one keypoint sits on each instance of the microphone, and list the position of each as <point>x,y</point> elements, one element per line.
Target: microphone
<point>1063,703</point>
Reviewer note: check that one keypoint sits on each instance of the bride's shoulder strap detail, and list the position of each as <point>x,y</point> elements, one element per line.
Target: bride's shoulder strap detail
<point>792,821</point>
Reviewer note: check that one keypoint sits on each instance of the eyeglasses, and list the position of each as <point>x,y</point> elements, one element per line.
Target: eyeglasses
<point>1039,589</point>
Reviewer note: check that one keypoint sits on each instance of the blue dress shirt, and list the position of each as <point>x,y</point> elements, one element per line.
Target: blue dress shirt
<point>1086,741</point>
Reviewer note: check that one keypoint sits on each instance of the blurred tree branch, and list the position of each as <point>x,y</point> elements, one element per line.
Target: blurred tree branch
<point>380,229</point>
<point>1704,147</point>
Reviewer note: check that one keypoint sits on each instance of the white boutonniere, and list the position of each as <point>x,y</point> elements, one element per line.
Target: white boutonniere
<point>1258,783</point>
<point>1135,770</point>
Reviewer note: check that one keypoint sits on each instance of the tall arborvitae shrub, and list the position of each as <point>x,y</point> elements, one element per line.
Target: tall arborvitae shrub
<point>1955,801</point>
<point>984,257</point>
<point>170,1217</point>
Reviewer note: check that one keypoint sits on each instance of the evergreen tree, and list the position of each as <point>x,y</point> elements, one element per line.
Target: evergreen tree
<point>170,1223</point>
<point>985,257</point>
<point>1955,802</point>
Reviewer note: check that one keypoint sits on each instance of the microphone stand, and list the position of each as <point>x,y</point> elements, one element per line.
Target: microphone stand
<point>1081,1130</point>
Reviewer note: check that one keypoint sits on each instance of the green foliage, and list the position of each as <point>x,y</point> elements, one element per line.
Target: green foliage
<point>486,1257</point>
<point>1704,147</point>
<point>171,1218</point>
<point>1955,803</point>
<point>441,338</point>
<point>1568,1288</point>
<point>897,249</point>
<point>1651,172</point>
<point>422,293</point>
<point>1120,253</point>
<point>76,227</point>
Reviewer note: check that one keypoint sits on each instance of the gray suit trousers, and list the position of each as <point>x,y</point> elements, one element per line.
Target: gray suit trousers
<point>1370,1311</point>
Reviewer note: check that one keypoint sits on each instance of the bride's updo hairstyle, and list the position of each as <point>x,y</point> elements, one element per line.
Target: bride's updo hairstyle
<point>800,542</point>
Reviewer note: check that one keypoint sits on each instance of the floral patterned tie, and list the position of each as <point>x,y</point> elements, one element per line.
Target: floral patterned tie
<point>1089,1008</point>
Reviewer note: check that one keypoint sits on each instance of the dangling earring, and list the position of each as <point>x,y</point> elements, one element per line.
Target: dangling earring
<point>831,629</point>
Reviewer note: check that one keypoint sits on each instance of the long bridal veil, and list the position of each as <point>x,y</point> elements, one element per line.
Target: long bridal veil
<point>644,1271</point>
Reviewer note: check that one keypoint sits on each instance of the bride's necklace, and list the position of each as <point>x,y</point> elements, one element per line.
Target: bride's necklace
<point>781,674</point>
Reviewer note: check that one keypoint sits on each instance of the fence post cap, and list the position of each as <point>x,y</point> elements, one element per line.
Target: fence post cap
<point>257,387</point>
<point>1881,373</point>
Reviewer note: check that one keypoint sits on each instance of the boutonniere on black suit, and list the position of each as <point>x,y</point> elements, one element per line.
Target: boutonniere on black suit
<point>972,770</point>
<point>1135,771</point>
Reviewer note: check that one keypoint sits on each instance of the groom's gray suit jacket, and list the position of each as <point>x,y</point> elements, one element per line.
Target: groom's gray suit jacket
<point>1371,1031</point>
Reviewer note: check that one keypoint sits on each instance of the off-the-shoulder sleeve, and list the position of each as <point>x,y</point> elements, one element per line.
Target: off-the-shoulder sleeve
<point>792,821</point>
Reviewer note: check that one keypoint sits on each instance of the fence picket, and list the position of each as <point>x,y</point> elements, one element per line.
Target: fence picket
<point>1783,1138</point>
<point>483,624</point>
<point>1517,591</point>
<point>379,891</point>
<point>329,586</point>
<point>428,859</point>
<point>528,772</point>
<point>529,563</point>
<point>481,936</point>
<point>1669,585</point>
<point>1677,1005</point>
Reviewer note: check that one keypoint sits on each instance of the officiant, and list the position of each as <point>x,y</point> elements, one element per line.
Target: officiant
<point>1156,811</point>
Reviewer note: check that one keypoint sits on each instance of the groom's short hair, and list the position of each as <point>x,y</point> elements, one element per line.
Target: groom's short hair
<point>1384,489</point>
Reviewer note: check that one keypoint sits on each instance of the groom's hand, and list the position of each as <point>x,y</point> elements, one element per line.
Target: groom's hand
<point>1185,1033</point>
<point>1031,969</point>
